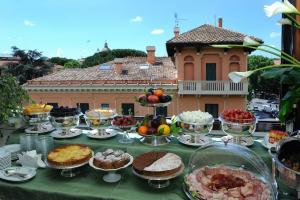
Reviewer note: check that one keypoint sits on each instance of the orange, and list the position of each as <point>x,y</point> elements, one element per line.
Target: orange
<point>158,92</point>
<point>164,129</point>
<point>143,130</point>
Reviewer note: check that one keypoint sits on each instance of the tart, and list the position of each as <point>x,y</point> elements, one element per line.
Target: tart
<point>68,155</point>
<point>111,159</point>
<point>157,164</point>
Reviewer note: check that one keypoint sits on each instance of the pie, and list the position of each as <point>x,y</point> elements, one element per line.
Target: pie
<point>157,164</point>
<point>220,182</point>
<point>68,155</point>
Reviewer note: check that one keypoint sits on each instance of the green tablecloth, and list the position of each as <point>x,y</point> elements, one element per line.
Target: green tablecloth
<point>49,184</point>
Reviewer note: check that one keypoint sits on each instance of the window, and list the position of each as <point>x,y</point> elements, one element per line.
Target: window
<point>162,111</point>
<point>55,105</point>
<point>213,109</point>
<point>127,108</point>
<point>211,71</point>
<point>104,106</point>
<point>124,72</point>
<point>83,107</point>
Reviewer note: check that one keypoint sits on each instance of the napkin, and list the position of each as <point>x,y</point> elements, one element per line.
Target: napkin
<point>31,159</point>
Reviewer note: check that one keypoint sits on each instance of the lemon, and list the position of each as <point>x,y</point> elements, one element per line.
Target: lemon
<point>164,129</point>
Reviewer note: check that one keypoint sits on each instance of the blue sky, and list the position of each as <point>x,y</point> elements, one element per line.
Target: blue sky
<point>76,28</point>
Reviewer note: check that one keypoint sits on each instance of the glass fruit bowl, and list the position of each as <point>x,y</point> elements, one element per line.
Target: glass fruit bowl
<point>222,169</point>
<point>236,127</point>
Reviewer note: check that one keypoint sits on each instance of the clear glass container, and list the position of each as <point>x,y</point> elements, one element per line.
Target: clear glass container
<point>237,159</point>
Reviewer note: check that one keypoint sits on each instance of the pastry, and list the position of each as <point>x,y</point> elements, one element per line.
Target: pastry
<point>68,155</point>
<point>111,159</point>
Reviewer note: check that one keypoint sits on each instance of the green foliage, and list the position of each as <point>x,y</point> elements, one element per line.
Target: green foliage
<point>11,98</point>
<point>106,56</point>
<point>260,84</point>
<point>288,76</point>
<point>32,65</point>
<point>59,60</point>
<point>72,64</point>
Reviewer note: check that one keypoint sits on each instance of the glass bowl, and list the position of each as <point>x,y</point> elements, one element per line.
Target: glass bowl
<point>231,160</point>
<point>238,127</point>
<point>196,128</point>
<point>64,122</point>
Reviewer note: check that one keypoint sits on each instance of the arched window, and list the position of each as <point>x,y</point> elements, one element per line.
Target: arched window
<point>234,59</point>
<point>189,59</point>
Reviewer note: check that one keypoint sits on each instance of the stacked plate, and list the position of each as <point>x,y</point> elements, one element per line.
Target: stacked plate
<point>13,149</point>
<point>5,160</point>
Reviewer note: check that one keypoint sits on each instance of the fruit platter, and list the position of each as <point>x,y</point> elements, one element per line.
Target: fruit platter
<point>154,98</point>
<point>155,130</point>
<point>237,123</point>
<point>124,123</point>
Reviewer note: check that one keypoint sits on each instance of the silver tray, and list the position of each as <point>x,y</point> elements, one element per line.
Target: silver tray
<point>156,104</point>
<point>153,140</point>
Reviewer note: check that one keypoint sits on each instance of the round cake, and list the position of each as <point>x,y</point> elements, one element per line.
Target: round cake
<point>68,155</point>
<point>157,163</point>
<point>111,159</point>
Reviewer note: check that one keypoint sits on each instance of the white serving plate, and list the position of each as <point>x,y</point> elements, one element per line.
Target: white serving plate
<point>265,142</point>
<point>45,130</point>
<point>15,178</point>
<point>186,140</point>
<point>108,134</point>
<point>72,133</point>
<point>245,140</point>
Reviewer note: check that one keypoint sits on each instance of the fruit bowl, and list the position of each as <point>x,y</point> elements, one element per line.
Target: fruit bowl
<point>124,123</point>
<point>154,130</point>
<point>154,98</point>
<point>238,123</point>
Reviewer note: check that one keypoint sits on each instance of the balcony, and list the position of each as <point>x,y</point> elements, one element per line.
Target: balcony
<point>224,87</point>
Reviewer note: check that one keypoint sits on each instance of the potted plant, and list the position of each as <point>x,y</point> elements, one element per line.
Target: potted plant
<point>11,99</point>
<point>289,73</point>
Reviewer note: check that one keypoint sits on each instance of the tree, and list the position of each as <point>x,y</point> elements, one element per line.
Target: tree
<point>258,83</point>
<point>72,64</point>
<point>106,56</point>
<point>59,60</point>
<point>32,65</point>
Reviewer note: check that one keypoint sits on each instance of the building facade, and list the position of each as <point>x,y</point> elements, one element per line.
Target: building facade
<point>195,74</point>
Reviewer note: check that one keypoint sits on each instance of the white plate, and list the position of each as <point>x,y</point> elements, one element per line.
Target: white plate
<point>14,149</point>
<point>91,163</point>
<point>72,133</point>
<point>108,134</point>
<point>48,128</point>
<point>14,178</point>
<point>245,141</point>
<point>186,139</point>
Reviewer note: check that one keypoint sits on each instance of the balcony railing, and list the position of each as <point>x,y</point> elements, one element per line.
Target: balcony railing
<point>213,88</point>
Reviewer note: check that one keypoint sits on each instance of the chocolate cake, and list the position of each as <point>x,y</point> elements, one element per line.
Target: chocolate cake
<point>157,164</point>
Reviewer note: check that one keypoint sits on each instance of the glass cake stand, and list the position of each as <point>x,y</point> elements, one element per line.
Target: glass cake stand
<point>68,171</point>
<point>112,176</point>
<point>125,129</point>
<point>159,182</point>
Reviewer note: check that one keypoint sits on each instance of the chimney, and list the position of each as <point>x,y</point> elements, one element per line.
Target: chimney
<point>150,54</point>
<point>176,31</point>
<point>220,22</point>
<point>118,66</point>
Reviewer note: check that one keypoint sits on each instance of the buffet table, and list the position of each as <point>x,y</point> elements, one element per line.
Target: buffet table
<point>49,184</point>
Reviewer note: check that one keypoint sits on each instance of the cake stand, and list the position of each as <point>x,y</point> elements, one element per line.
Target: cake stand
<point>159,182</point>
<point>112,176</point>
<point>155,140</point>
<point>156,105</point>
<point>68,171</point>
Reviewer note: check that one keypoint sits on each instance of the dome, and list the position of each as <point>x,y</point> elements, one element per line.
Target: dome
<point>218,169</point>
<point>105,48</point>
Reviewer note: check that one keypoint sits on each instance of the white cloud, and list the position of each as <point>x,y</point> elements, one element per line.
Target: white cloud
<point>137,19</point>
<point>157,31</point>
<point>29,23</point>
<point>275,34</point>
<point>59,52</point>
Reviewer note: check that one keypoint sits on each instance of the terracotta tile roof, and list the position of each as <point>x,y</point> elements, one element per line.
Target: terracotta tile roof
<point>162,70</point>
<point>208,34</point>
